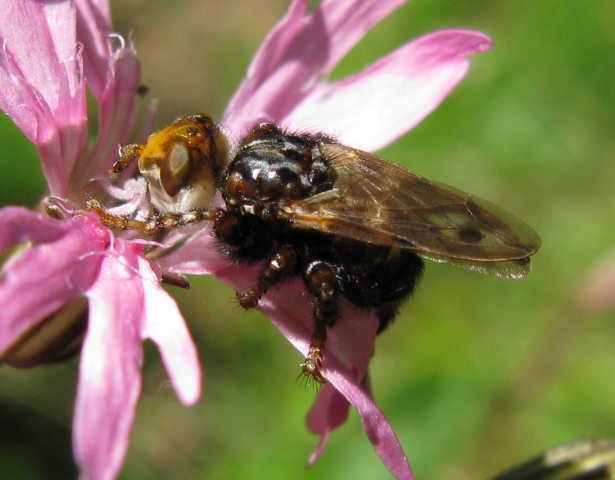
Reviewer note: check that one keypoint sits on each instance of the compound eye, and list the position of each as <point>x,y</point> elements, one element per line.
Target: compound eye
<point>175,169</point>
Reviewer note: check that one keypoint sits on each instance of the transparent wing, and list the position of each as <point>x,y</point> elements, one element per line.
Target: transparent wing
<point>376,201</point>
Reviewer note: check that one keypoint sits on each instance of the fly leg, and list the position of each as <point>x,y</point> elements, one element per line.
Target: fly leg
<point>322,282</point>
<point>153,224</point>
<point>281,266</point>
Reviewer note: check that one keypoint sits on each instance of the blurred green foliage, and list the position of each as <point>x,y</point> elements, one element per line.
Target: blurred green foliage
<point>477,373</point>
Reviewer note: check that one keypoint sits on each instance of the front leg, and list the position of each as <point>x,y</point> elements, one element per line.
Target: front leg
<point>154,223</point>
<point>128,153</point>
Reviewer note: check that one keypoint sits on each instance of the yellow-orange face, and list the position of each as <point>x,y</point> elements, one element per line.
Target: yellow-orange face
<point>181,163</point>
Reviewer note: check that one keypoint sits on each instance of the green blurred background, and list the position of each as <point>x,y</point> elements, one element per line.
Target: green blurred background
<point>477,373</point>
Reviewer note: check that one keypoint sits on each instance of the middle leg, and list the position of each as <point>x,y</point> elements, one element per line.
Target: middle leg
<point>281,266</point>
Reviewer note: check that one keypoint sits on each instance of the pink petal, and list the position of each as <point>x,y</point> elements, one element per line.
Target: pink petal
<point>349,350</point>
<point>198,256</point>
<point>330,410</point>
<point>113,75</point>
<point>376,426</point>
<point>346,23</point>
<point>127,305</point>
<point>100,7</point>
<point>165,325</point>
<point>40,83</point>
<point>377,105</point>
<point>117,113</point>
<point>109,370</point>
<point>297,53</point>
<point>349,347</point>
<point>93,29</point>
<point>59,263</point>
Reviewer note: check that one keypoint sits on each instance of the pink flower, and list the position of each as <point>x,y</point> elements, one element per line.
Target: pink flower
<point>70,284</point>
<point>286,84</point>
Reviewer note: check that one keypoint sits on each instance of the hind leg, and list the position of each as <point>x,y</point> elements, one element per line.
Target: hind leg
<point>322,282</point>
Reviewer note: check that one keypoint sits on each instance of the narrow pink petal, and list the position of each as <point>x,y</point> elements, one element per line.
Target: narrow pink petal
<point>374,107</point>
<point>167,328</point>
<point>200,255</point>
<point>59,263</point>
<point>297,53</point>
<point>93,29</point>
<point>330,410</point>
<point>41,87</point>
<point>376,426</point>
<point>349,350</point>
<point>41,38</point>
<point>112,70</point>
<point>101,7</point>
<point>109,370</point>
<point>117,113</point>
<point>289,314</point>
<point>127,305</point>
<point>346,23</point>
